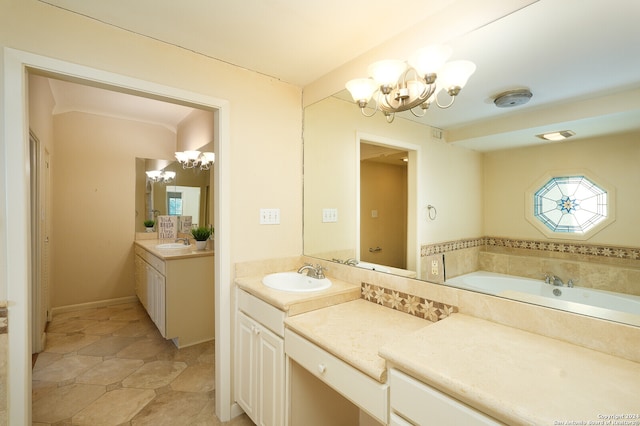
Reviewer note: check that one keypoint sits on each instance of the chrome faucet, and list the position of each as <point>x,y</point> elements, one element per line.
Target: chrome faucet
<point>553,280</point>
<point>351,262</point>
<point>184,240</point>
<point>556,281</point>
<point>316,271</point>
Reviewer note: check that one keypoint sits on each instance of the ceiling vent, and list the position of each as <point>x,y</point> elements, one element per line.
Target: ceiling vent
<point>512,98</point>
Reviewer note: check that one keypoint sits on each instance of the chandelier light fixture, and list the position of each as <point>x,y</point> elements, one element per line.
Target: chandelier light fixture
<point>191,159</point>
<point>397,85</point>
<point>161,176</point>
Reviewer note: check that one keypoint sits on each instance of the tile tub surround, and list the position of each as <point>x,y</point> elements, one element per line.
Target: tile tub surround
<point>596,266</point>
<point>111,366</point>
<point>517,377</point>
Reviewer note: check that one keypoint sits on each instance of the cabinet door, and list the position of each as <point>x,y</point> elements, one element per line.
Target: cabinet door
<point>421,404</point>
<point>246,383</point>
<point>159,296</point>
<point>270,378</point>
<point>141,281</point>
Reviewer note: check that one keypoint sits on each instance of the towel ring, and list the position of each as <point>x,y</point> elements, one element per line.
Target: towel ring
<point>433,215</point>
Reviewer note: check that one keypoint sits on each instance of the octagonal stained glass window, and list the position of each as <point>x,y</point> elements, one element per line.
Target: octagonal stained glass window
<point>570,204</point>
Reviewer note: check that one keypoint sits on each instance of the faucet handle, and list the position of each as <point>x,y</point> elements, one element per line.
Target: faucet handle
<point>319,270</point>
<point>548,277</point>
<point>572,282</point>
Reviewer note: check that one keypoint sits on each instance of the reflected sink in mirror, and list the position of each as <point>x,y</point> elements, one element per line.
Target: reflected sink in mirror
<point>172,246</point>
<point>295,282</point>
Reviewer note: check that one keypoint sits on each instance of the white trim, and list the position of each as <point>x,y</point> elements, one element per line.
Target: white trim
<point>91,305</point>
<point>16,227</point>
<point>414,201</point>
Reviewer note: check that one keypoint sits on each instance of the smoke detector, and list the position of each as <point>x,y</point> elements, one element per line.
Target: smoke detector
<point>512,98</point>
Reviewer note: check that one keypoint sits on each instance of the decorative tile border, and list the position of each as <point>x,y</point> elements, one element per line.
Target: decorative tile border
<point>4,325</point>
<point>408,303</point>
<point>427,250</point>
<point>631,253</point>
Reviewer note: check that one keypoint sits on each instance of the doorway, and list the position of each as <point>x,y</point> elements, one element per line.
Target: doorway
<point>17,225</point>
<point>389,241</point>
<point>383,205</point>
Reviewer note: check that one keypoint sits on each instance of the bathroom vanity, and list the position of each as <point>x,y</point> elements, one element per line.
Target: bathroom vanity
<point>176,287</point>
<point>399,369</point>
<point>260,385</point>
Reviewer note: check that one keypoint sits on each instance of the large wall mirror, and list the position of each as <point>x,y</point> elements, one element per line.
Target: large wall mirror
<point>466,190</point>
<point>185,193</point>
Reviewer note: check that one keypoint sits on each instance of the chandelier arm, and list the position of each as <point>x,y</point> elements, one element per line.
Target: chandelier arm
<point>368,115</point>
<point>424,112</point>
<point>453,99</point>
<point>377,101</point>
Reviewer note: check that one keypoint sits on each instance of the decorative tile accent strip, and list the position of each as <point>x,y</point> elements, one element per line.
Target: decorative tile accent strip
<point>408,303</point>
<point>430,249</point>
<point>631,253</point>
<point>4,325</point>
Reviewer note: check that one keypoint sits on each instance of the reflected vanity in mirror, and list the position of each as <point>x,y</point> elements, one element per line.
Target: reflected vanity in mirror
<point>177,192</point>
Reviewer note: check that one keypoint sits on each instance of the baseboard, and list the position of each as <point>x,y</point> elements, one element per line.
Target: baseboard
<point>90,305</point>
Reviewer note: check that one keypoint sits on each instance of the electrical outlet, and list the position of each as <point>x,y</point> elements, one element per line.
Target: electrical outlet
<point>329,215</point>
<point>436,268</point>
<point>269,216</point>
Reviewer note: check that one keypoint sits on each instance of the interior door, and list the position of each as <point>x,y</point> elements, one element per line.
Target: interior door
<point>39,197</point>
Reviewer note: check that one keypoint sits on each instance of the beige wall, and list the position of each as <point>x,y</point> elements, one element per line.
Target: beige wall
<point>264,112</point>
<point>196,131</point>
<point>330,149</point>
<point>383,188</point>
<point>93,203</point>
<point>509,173</point>
<point>265,116</point>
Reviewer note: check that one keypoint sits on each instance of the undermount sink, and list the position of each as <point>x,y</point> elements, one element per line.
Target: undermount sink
<point>295,282</point>
<point>172,246</point>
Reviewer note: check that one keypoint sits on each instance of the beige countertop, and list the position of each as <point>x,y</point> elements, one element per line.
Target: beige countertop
<point>354,332</point>
<point>297,303</point>
<point>171,254</point>
<point>519,377</point>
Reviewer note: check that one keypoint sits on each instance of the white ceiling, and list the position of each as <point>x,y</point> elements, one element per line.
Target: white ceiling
<point>566,52</point>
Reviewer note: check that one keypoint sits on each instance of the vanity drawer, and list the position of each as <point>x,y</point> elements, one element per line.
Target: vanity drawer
<point>264,313</point>
<point>415,403</point>
<point>367,393</point>
<point>156,262</point>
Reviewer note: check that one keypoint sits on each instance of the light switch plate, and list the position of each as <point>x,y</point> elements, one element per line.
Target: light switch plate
<point>329,215</point>
<point>269,216</point>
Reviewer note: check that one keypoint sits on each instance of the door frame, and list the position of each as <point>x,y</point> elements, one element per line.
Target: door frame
<point>15,256</point>
<point>413,193</point>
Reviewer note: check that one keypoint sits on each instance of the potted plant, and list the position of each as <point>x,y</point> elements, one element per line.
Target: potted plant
<point>201,234</point>
<point>149,224</point>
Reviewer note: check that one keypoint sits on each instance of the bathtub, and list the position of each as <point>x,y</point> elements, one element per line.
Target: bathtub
<point>576,299</point>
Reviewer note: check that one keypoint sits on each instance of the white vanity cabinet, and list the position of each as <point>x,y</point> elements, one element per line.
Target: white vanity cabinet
<point>415,403</point>
<point>178,295</point>
<point>151,288</point>
<point>259,378</point>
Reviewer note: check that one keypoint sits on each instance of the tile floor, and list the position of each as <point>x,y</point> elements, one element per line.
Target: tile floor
<point>110,366</point>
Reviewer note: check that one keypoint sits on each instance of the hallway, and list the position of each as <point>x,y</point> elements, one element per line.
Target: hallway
<point>110,366</point>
